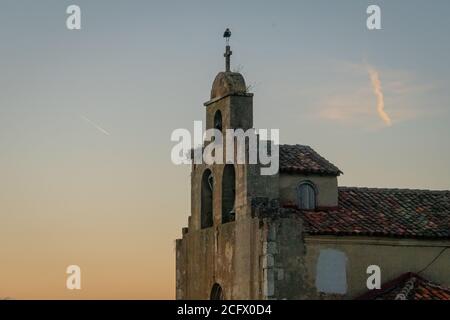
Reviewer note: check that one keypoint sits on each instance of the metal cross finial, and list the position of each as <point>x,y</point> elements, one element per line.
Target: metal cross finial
<point>228,52</point>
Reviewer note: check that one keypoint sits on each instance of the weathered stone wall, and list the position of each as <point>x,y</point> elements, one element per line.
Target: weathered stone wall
<point>230,253</point>
<point>237,111</point>
<point>283,250</point>
<point>227,254</point>
<point>249,184</point>
<point>196,184</point>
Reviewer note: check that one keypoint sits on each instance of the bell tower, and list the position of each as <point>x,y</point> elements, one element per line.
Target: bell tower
<point>230,105</point>
<point>219,255</point>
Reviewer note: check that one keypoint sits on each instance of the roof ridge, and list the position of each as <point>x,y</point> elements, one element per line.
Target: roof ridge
<point>294,145</point>
<point>378,189</point>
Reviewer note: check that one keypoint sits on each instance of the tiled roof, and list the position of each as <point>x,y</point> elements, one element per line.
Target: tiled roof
<point>384,212</point>
<point>408,286</point>
<point>303,159</point>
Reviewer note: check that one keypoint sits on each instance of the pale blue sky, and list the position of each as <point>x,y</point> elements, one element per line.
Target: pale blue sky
<point>141,69</point>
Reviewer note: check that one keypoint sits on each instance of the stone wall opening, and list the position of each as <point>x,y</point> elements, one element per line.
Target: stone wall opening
<point>228,194</point>
<point>216,292</point>
<point>207,199</point>
<point>218,120</point>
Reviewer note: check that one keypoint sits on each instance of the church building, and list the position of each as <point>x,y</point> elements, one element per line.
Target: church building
<point>298,234</point>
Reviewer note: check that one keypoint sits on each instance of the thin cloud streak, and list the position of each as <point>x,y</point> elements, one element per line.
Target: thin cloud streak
<point>376,85</point>
<point>92,123</point>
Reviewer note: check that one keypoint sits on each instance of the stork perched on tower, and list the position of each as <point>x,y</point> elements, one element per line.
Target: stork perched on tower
<point>227,35</point>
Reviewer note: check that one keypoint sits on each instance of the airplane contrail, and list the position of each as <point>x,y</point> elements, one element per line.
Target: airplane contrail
<point>95,125</point>
<point>376,84</point>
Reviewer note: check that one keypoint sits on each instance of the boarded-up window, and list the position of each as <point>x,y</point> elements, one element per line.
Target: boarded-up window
<point>331,272</point>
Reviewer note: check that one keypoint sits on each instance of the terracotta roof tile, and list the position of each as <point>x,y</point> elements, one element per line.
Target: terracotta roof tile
<point>408,286</point>
<point>303,159</point>
<point>384,212</point>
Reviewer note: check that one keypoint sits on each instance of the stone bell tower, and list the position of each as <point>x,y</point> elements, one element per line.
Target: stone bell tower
<point>230,106</point>
<point>218,255</point>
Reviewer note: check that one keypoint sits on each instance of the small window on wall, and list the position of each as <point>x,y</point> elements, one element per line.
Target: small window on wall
<point>306,193</point>
<point>218,120</point>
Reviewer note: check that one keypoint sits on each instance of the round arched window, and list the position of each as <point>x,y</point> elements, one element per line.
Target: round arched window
<point>218,120</point>
<point>306,193</point>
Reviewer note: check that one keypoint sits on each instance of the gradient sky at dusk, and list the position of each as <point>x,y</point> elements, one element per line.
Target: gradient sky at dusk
<point>86,118</point>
